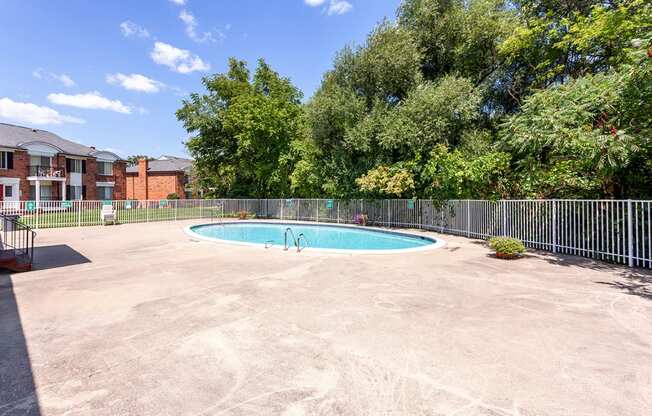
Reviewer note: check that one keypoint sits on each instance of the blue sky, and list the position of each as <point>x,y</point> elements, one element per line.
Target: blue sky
<point>112,73</point>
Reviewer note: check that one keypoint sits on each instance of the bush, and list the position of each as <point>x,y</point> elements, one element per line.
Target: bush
<point>173,196</point>
<point>243,215</point>
<point>506,247</point>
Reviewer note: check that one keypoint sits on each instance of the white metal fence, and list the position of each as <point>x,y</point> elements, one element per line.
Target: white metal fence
<point>618,231</point>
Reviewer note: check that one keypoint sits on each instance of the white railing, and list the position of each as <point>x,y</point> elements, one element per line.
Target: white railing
<point>617,231</point>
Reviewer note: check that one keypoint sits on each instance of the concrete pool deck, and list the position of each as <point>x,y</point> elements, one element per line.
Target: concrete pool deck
<point>142,319</point>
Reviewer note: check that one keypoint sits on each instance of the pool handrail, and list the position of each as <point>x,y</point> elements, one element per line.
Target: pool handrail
<point>294,238</point>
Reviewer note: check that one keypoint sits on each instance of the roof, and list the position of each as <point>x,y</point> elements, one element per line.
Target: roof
<point>165,164</point>
<point>16,136</point>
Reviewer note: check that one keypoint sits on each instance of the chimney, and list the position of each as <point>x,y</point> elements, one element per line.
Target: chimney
<point>141,191</point>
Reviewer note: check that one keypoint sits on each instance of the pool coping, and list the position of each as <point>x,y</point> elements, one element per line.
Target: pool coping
<point>437,242</point>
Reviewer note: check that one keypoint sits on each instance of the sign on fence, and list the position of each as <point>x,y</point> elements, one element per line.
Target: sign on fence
<point>66,205</point>
<point>162,203</point>
<point>410,203</point>
<point>30,206</point>
<point>127,204</point>
<point>329,204</point>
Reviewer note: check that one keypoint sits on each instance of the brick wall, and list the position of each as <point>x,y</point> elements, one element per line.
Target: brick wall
<point>162,184</point>
<point>21,171</point>
<point>120,179</point>
<point>89,180</point>
<point>131,185</point>
<point>153,185</point>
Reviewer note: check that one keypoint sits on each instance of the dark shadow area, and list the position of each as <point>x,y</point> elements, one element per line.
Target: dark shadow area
<point>50,257</point>
<point>17,388</point>
<point>634,282</point>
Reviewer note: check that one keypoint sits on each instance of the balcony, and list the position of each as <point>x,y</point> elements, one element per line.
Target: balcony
<point>41,171</point>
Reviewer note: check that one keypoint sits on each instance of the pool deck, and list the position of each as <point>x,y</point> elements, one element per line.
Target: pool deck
<point>143,319</point>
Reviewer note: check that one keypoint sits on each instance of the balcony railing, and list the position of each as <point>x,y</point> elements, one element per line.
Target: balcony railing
<point>47,171</point>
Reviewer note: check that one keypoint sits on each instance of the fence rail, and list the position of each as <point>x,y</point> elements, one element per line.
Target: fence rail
<point>617,231</point>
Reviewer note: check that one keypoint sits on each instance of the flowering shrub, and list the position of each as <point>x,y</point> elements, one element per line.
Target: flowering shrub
<point>361,219</point>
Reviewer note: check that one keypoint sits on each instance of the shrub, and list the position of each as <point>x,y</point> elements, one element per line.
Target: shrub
<point>506,247</point>
<point>361,219</point>
<point>243,215</point>
<point>173,196</point>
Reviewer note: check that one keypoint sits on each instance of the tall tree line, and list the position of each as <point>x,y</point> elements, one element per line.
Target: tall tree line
<point>452,99</point>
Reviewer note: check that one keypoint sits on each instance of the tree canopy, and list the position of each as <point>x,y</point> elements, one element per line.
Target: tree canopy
<point>453,99</point>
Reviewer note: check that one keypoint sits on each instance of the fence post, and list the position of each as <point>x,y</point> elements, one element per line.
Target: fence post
<point>630,234</point>
<point>338,211</point>
<point>503,204</point>
<point>468,218</point>
<point>146,211</point>
<point>79,210</point>
<point>318,202</point>
<point>389,213</point>
<point>176,208</point>
<point>554,226</point>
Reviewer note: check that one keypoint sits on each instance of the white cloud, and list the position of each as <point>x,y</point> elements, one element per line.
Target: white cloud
<point>339,7</point>
<point>40,73</point>
<point>191,24</point>
<point>91,100</point>
<point>32,113</point>
<point>179,60</point>
<point>314,3</point>
<point>179,2</point>
<point>135,82</point>
<point>130,29</point>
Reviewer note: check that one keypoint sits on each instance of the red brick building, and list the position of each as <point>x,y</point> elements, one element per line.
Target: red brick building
<point>159,179</point>
<point>41,166</point>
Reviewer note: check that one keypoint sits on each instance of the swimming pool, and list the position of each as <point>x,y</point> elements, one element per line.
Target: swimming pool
<point>336,238</point>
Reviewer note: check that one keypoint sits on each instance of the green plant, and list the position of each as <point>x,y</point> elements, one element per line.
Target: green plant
<point>173,196</point>
<point>507,247</point>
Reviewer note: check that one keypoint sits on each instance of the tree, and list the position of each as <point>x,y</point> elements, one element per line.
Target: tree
<point>242,130</point>
<point>133,160</point>
<point>582,137</point>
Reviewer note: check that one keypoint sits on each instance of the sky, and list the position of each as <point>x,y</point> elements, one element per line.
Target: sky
<point>111,74</point>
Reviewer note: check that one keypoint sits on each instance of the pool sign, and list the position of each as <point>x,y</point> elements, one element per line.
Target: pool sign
<point>163,203</point>
<point>288,203</point>
<point>31,205</point>
<point>66,204</point>
<point>410,204</point>
<point>329,204</point>
<point>127,204</point>
<point>107,202</point>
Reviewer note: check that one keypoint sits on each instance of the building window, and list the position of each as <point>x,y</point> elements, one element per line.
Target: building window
<point>75,165</point>
<point>73,193</point>
<point>104,192</point>
<point>6,160</point>
<point>105,168</point>
<point>9,191</point>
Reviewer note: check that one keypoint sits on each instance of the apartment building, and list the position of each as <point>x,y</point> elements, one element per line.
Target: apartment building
<point>159,178</point>
<point>37,165</point>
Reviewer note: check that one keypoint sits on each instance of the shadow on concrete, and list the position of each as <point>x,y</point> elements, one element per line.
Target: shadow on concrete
<point>51,257</point>
<point>17,388</point>
<point>634,282</point>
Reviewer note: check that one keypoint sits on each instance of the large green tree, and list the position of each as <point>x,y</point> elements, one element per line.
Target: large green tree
<point>242,130</point>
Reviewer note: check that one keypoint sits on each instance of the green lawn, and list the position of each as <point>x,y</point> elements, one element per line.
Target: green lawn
<point>73,217</point>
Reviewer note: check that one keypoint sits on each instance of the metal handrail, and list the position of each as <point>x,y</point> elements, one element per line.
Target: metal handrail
<point>302,235</point>
<point>285,244</point>
<point>18,238</point>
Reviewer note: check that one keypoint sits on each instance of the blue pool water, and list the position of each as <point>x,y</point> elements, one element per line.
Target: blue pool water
<point>318,236</point>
